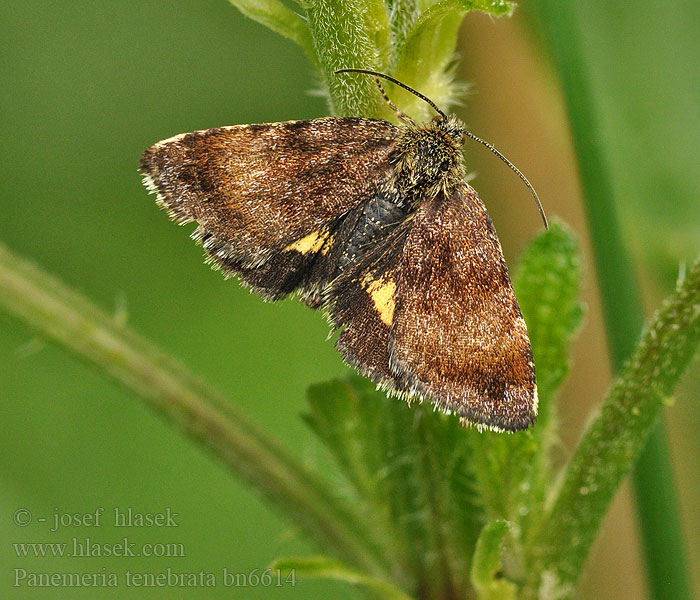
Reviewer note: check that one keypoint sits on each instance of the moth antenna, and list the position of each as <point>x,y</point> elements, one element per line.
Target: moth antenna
<point>397,82</point>
<point>399,113</point>
<point>427,100</point>
<point>517,171</point>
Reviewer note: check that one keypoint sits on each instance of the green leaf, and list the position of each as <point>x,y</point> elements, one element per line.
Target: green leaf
<point>408,468</point>
<point>487,564</point>
<point>276,16</point>
<point>345,423</point>
<point>512,471</point>
<point>547,284</point>
<point>327,568</point>
<point>369,436</point>
<point>615,437</point>
<point>428,50</point>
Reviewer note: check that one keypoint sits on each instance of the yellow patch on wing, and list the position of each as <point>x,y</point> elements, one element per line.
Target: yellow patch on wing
<point>382,291</point>
<point>311,243</point>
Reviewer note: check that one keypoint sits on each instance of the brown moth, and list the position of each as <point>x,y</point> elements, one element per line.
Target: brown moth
<point>375,223</point>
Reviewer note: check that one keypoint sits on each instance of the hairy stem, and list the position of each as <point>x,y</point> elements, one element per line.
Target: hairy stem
<point>615,439</point>
<point>74,323</point>
<point>620,292</point>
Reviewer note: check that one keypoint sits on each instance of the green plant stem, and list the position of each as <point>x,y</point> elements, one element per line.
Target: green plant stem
<point>346,36</point>
<point>660,522</point>
<point>620,295</point>
<point>73,322</point>
<point>487,566</point>
<point>613,440</point>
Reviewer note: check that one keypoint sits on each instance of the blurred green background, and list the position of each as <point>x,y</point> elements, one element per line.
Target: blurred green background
<point>85,88</point>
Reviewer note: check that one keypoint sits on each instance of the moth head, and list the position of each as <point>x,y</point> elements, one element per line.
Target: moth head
<point>430,164</point>
<point>452,126</point>
<point>428,158</point>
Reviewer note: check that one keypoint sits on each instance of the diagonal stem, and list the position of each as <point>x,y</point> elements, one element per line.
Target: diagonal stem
<point>620,293</point>
<point>614,439</point>
<point>74,323</point>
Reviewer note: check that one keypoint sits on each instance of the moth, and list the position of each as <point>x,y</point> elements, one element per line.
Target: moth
<point>374,223</point>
